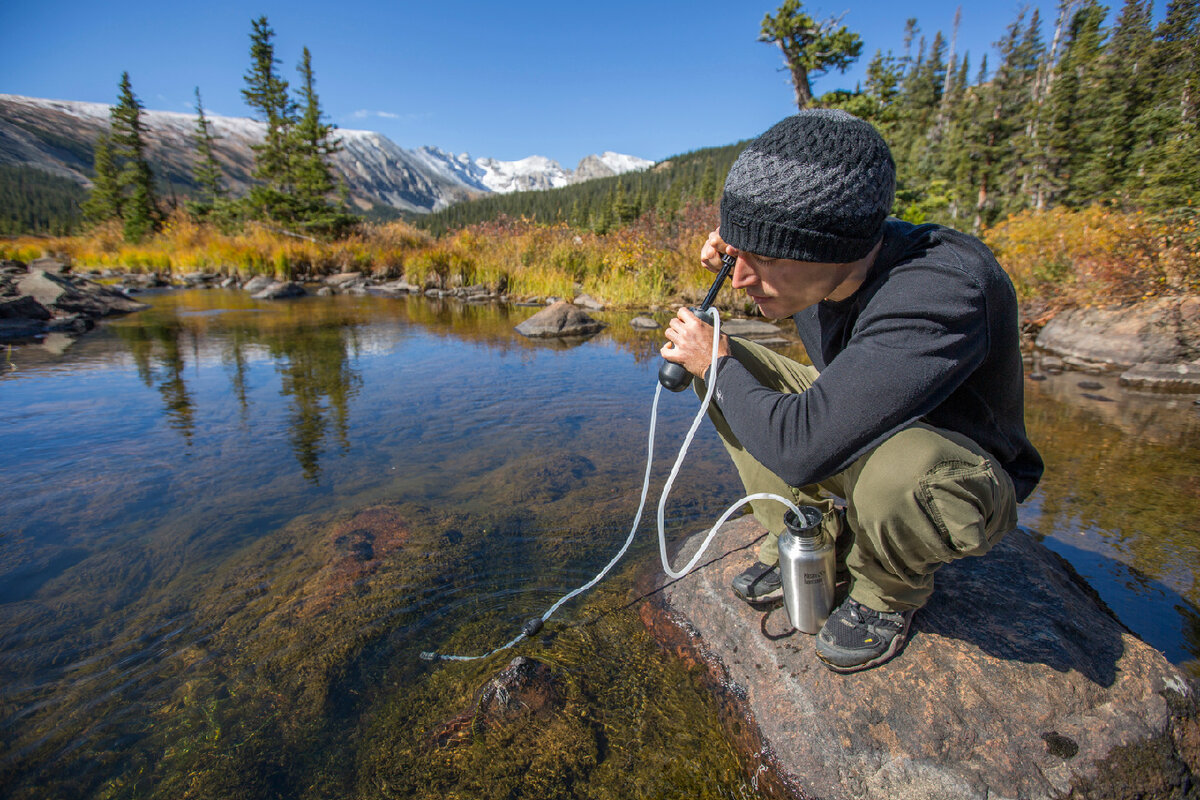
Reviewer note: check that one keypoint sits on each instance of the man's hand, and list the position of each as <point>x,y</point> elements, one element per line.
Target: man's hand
<point>692,340</point>
<point>712,250</point>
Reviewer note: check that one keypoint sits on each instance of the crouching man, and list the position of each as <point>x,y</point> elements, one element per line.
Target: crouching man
<point>913,409</point>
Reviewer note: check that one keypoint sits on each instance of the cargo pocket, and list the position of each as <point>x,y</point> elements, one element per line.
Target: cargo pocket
<point>970,507</point>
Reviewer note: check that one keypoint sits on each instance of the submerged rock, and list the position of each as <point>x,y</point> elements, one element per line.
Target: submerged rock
<point>525,688</point>
<point>560,319</point>
<point>1164,377</point>
<point>1017,682</point>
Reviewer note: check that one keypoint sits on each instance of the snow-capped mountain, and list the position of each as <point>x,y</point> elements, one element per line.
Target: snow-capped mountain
<point>57,136</point>
<point>534,172</point>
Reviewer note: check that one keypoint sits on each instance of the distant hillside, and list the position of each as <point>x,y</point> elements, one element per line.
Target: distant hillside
<point>55,137</point>
<point>606,202</point>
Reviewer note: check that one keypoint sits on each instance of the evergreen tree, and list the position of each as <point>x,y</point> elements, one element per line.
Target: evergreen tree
<point>1071,117</point>
<point>1122,96</point>
<point>810,48</point>
<point>267,93</point>
<point>104,200</point>
<point>1168,159</point>
<point>207,171</point>
<point>312,143</point>
<point>139,207</point>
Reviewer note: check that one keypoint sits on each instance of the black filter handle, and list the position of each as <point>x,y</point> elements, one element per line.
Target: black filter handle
<point>675,376</point>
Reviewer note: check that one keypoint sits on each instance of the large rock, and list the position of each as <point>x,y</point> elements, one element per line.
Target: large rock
<point>1163,331</point>
<point>280,290</point>
<point>75,295</point>
<point>561,319</point>
<point>258,283</point>
<point>1016,683</point>
<point>750,328</point>
<point>23,308</point>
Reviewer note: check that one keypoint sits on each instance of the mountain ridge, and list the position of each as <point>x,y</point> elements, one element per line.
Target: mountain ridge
<point>57,136</point>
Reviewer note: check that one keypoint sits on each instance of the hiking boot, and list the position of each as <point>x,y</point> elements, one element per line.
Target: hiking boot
<point>759,584</point>
<point>856,637</point>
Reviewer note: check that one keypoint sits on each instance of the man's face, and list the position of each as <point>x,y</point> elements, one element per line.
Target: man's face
<point>781,287</point>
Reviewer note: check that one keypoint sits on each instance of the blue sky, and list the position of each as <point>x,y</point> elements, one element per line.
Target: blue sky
<point>505,80</point>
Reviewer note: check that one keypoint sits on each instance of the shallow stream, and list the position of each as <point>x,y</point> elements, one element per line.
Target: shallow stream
<point>227,529</point>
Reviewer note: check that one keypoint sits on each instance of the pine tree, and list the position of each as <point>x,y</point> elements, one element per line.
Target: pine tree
<point>1168,157</point>
<point>267,93</point>
<point>138,204</point>
<point>311,145</point>
<point>207,172</point>
<point>1071,117</point>
<point>810,48</point>
<point>104,200</point>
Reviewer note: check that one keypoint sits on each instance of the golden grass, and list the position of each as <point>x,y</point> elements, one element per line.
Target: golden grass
<point>1062,257</point>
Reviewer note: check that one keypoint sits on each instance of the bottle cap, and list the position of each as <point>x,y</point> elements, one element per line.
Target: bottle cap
<point>807,524</point>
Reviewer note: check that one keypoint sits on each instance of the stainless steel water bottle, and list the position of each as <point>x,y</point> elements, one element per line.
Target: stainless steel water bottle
<point>807,565</point>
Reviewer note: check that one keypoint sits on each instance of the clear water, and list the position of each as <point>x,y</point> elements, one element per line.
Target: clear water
<point>227,528</point>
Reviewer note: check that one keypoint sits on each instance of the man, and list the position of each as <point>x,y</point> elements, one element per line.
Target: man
<point>913,410</point>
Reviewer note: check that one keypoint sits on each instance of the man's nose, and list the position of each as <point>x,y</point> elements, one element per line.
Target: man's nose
<point>743,273</point>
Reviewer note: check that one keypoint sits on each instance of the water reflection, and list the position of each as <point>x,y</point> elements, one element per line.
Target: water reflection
<point>231,527</point>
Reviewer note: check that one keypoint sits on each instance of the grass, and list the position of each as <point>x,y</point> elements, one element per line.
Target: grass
<point>1060,258</point>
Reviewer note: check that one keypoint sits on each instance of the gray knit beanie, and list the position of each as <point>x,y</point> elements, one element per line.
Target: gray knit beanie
<point>815,187</point>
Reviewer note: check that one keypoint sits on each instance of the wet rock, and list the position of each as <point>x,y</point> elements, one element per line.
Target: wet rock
<point>280,290</point>
<point>193,279</point>
<point>525,688</point>
<point>588,302</point>
<point>644,323</point>
<point>23,308</point>
<point>52,265</point>
<point>10,267</point>
<point>749,328</point>
<point>343,279</point>
<point>326,291</point>
<point>1017,682</point>
<point>560,319</point>
<point>15,329</point>
<point>1163,377</point>
<point>258,283</point>
<point>1165,331</point>
<point>75,295</point>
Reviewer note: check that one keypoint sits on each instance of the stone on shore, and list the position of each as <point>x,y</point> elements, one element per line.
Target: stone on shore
<point>75,295</point>
<point>750,328</point>
<point>280,290</point>
<point>644,323</point>
<point>257,283</point>
<point>1163,331</point>
<point>562,319</point>
<point>588,302</point>
<point>1183,378</point>
<point>1016,683</point>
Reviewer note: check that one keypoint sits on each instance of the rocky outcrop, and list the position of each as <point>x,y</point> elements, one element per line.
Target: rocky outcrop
<point>1017,682</point>
<point>562,319</point>
<point>48,300</point>
<point>1162,331</point>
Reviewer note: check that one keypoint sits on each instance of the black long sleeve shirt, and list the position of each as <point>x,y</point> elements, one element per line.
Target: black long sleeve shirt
<point>931,335</point>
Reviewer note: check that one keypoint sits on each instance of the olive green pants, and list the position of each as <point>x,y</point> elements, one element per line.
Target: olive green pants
<point>922,498</point>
